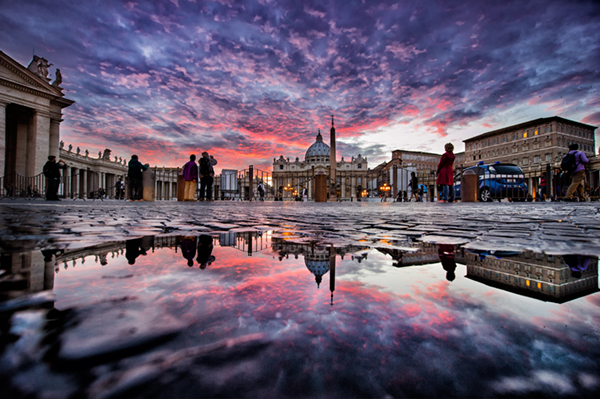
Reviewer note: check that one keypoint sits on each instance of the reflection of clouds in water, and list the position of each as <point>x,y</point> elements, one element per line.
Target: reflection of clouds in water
<point>546,381</point>
<point>384,319</point>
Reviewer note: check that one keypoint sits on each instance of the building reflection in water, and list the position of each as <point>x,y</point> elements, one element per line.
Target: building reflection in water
<point>546,277</point>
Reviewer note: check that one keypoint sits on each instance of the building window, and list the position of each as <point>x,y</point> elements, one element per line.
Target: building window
<point>536,146</point>
<point>548,157</point>
<point>504,139</point>
<point>524,135</point>
<point>547,130</point>
<point>536,159</point>
<point>535,133</point>
<point>525,161</point>
<point>280,167</point>
<point>359,166</point>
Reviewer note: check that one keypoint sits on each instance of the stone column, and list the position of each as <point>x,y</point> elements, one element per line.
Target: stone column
<point>82,184</point>
<point>395,181</point>
<point>2,137</point>
<point>49,273</point>
<point>73,178</point>
<point>54,139</point>
<point>38,143</point>
<point>251,181</point>
<point>332,164</point>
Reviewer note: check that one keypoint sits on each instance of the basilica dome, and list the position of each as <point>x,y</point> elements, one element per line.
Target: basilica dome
<point>318,149</point>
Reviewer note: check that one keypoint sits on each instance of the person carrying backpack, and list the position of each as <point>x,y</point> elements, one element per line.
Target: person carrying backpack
<point>574,164</point>
<point>207,174</point>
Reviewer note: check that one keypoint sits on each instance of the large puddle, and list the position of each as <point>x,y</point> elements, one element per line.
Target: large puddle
<point>268,315</point>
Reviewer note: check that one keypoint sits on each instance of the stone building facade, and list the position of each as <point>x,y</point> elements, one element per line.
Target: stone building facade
<point>85,175</point>
<point>30,116</point>
<point>289,177</point>
<point>542,276</point>
<point>532,145</point>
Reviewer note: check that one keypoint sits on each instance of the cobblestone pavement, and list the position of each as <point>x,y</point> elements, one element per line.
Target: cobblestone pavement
<point>553,228</point>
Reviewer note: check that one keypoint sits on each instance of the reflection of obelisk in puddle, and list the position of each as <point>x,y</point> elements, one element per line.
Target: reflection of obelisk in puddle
<point>331,271</point>
<point>332,165</point>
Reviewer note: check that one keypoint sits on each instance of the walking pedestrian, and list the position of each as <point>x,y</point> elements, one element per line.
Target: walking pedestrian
<point>261,190</point>
<point>190,175</point>
<point>578,173</point>
<point>135,178</point>
<point>52,173</point>
<point>413,184</point>
<point>445,176</point>
<point>207,174</point>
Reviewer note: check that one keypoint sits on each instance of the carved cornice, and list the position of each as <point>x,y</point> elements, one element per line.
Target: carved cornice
<point>40,88</point>
<point>26,89</point>
<point>19,71</point>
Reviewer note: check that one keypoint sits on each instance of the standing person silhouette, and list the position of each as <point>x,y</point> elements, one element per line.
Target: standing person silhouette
<point>207,174</point>
<point>134,174</point>
<point>445,175</point>
<point>190,175</point>
<point>52,172</point>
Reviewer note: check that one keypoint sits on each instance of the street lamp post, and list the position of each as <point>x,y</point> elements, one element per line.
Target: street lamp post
<point>385,189</point>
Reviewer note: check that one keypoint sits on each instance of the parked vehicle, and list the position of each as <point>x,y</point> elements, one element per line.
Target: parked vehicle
<point>497,181</point>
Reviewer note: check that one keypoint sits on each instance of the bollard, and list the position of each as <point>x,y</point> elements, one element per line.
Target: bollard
<point>180,188</point>
<point>321,186</point>
<point>148,184</point>
<point>469,187</point>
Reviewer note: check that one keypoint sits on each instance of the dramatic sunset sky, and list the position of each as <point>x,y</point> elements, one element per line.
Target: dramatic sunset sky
<point>251,80</point>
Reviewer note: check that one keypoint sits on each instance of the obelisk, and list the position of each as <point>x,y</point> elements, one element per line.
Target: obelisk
<point>332,165</point>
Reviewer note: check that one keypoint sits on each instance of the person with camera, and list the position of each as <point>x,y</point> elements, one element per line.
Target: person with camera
<point>52,173</point>
<point>207,175</point>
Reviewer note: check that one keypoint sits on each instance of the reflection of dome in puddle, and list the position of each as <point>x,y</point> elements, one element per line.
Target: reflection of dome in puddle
<point>318,264</point>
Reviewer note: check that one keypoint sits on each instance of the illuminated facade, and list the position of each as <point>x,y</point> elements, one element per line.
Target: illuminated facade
<point>289,177</point>
<point>540,276</point>
<point>531,145</point>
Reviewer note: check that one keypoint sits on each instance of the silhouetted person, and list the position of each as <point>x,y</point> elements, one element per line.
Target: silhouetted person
<point>190,176</point>
<point>446,254</point>
<point>188,249</point>
<point>52,173</point>
<point>445,176</point>
<point>133,250</point>
<point>205,247</point>
<point>207,173</point>
<point>134,174</point>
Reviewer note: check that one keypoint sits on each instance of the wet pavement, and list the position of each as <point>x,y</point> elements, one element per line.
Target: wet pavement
<point>231,299</point>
